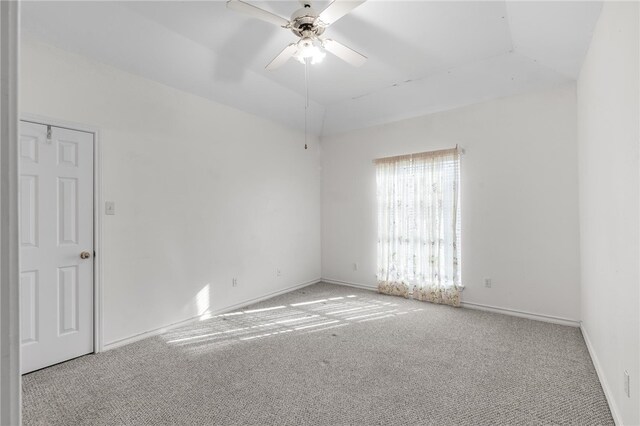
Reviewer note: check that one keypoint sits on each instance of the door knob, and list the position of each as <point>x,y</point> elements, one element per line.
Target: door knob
<point>85,255</point>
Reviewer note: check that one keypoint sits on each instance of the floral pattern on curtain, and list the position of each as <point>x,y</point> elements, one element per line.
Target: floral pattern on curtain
<point>419,226</point>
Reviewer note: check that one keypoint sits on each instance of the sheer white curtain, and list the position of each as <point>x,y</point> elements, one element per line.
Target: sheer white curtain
<point>419,226</point>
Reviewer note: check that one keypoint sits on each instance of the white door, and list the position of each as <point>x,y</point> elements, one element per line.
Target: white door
<point>56,244</point>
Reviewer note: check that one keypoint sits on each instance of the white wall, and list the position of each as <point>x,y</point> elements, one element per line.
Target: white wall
<point>519,198</point>
<point>608,135</point>
<point>203,192</point>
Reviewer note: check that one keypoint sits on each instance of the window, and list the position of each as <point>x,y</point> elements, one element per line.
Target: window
<point>419,226</point>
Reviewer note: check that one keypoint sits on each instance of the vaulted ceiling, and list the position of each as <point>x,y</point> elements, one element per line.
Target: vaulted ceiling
<point>424,56</point>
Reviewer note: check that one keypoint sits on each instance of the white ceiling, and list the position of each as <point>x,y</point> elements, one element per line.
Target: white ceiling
<point>424,56</point>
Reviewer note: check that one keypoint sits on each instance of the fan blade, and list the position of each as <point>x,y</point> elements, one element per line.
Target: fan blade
<point>256,12</point>
<point>286,54</point>
<point>337,9</point>
<point>345,53</point>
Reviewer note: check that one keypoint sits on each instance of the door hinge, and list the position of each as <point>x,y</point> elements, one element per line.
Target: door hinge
<point>49,133</point>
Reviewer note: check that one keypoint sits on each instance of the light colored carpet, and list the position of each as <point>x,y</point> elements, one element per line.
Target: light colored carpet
<point>331,355</point>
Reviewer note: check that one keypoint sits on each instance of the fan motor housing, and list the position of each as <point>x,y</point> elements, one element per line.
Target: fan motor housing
<point>303,22</point>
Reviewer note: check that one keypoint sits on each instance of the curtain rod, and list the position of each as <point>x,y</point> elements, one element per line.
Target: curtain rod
<point>437,153</point>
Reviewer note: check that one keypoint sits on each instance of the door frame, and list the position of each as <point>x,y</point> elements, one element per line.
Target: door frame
<point>10,379</point>
<point>98,202</point>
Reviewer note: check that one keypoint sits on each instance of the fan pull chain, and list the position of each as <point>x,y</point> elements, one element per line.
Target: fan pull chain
<point>306,103</point>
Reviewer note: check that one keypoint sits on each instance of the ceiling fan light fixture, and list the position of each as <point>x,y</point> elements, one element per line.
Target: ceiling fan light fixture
<point>310,50</point>
<point>315,55</point>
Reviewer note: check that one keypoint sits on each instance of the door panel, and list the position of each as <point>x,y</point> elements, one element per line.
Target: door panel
<point>29,306</point>
<point>29,208</point>
<point>56,225</point>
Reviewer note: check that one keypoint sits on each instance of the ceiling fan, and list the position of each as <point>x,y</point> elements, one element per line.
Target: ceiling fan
<point>309,25</point>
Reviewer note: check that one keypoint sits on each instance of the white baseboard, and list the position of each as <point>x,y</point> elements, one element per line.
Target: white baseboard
<point>125,341</point>
<point>478,306</point>
<point>350,284</point>
<point>522,314</point>
<point>603,380</point>
<point>122,342</point>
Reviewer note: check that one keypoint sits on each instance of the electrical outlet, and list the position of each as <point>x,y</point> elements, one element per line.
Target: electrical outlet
<point>487,282</point>
<point>627,389</point>
<point>234,282</point>
<point>355,266</point>
<point>278,272</point>
<point>109,208</point>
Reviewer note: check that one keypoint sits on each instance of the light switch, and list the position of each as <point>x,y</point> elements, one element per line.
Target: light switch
<point>110,208</point>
